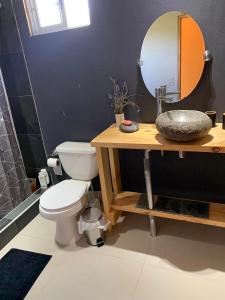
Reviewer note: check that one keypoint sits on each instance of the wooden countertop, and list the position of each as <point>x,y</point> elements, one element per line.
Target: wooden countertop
<point>148,137</point>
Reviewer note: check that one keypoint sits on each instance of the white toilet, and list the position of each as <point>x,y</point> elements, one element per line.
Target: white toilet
<point>64,201</point>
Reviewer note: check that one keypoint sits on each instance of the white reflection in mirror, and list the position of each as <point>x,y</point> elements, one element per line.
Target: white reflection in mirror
<point>172,55</point>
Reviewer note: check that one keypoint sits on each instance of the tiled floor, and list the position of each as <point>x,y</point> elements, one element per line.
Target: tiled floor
<point>184,262</point>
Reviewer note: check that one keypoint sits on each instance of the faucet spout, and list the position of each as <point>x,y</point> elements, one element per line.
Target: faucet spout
<point>158,101</point>
<point>161,96</point>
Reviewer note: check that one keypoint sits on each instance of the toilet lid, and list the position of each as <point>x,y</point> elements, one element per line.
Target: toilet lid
<point>63,194</point>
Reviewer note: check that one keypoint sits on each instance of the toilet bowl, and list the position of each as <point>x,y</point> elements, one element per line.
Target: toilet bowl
<point>63,203</point>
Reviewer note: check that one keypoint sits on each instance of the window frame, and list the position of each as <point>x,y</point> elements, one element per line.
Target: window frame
<point>33,19</point>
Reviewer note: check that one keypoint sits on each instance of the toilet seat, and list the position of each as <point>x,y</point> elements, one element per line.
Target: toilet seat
<point>63,195</point>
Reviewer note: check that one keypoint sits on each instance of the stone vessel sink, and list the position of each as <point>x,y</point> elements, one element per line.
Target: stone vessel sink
<point>183,125</point>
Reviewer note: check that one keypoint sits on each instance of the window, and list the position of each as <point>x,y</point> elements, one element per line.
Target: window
<point>45,16</point>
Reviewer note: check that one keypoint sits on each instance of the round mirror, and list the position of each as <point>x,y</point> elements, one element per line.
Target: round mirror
<point>172,56</point>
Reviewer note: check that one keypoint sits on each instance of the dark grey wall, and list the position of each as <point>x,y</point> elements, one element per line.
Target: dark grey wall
<point>70,76</point>
<point>19,92</point>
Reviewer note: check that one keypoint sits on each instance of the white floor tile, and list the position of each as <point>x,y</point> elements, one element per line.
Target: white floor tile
<point>192,248</point>
<point>130,240</point>
<point>31,244</point>
<point>157,284</point>
<point>40,228</point>
<point>42,281</point>
<point>84,276</point>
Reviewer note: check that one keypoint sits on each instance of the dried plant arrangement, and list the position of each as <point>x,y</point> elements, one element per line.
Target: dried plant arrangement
<point>119,97</point>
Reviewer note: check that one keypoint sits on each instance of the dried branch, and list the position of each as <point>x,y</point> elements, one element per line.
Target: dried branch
<point>120,98</point>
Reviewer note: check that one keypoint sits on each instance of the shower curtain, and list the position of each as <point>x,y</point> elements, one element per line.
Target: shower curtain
<point>14,185</point>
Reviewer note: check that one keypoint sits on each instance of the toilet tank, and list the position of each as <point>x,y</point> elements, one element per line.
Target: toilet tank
<point>78,160</point>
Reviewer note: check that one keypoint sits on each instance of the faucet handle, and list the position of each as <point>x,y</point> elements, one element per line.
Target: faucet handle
<point>166,99</point>
<point>173,93</point>
<point>157,92</point>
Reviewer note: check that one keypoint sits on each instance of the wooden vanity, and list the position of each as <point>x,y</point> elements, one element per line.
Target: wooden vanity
<point>116,201</point>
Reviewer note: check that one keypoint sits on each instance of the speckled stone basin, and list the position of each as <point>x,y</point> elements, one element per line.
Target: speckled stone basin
<point>183,125</point>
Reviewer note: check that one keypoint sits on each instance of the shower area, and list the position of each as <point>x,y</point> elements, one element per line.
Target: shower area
<point>22,153</point>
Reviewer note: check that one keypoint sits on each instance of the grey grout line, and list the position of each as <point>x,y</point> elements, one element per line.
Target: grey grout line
<point>29,77</point>
<point>21,96</point>
<point>100,253</point>
<point>20,235</point>
<point>11,53</point>
<point>35,237</point>
<point>30,134</point>
<point>138,281</point>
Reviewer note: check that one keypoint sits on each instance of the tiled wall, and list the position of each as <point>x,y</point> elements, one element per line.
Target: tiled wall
<point>14,185</point>
<point>19,92</point>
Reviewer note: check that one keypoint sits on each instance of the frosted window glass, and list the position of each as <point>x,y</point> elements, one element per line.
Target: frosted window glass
<point>77,12</point>
<point>48,12</point>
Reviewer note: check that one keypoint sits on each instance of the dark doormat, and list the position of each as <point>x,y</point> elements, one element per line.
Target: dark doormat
<point>18,271</point>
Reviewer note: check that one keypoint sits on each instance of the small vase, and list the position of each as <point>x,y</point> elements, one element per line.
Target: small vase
<point>119,119</point>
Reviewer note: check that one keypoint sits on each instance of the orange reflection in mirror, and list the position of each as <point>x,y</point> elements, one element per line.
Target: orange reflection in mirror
<point>192,47</point>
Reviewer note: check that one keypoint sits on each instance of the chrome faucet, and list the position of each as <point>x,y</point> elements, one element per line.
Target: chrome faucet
<point>161,95</point>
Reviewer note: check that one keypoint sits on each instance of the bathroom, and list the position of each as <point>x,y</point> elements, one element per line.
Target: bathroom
<point>57,85</point>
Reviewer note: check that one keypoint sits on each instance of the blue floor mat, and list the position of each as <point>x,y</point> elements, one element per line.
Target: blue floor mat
<point>19,270</point>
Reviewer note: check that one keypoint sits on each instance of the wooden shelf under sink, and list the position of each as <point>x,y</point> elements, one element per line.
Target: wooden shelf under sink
<point>115,200</point>
<point>137,203</point>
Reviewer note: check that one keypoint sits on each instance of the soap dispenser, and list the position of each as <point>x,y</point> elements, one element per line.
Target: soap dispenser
<point>43,178</point>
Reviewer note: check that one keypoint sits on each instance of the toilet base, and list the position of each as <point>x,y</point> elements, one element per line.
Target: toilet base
<point>67,231</point>
<point>66,222</point>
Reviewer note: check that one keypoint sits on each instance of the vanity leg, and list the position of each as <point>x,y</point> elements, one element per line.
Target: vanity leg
<point>115,170</point>
<point>152,226</point>
<point>147,170</point>
<point>105,180</point>
<point>116,180</point>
